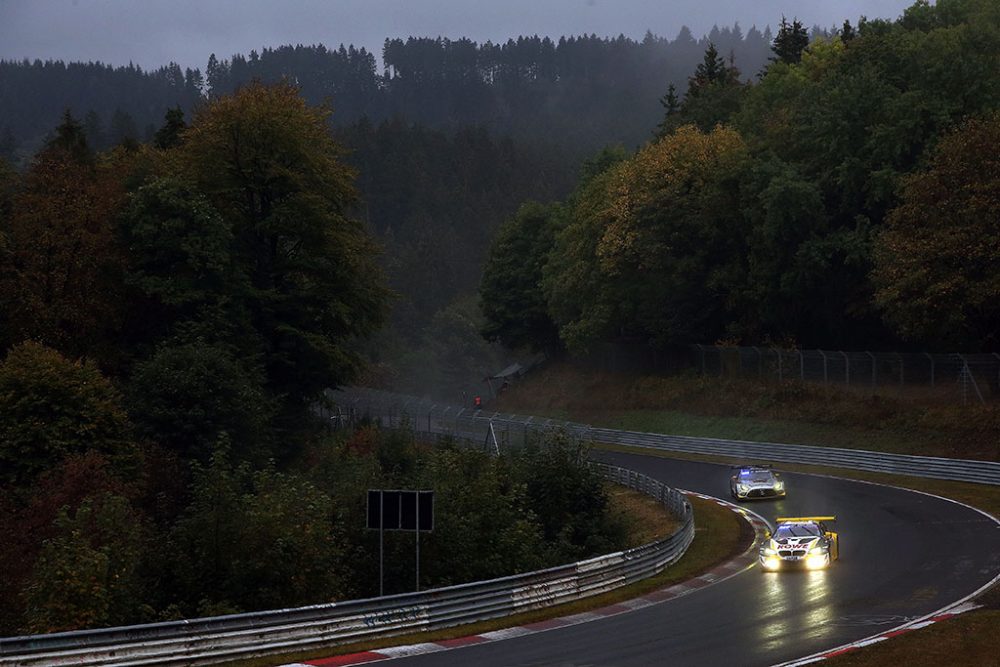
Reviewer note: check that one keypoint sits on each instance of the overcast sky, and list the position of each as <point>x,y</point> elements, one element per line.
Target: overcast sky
<point>152,33</point>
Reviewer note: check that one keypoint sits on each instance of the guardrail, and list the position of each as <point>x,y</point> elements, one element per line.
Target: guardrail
<point>468,423</point>
<point>240,636</point>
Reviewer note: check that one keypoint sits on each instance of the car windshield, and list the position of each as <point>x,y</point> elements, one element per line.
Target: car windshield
<point>755,476</point>
<point>796,530</point>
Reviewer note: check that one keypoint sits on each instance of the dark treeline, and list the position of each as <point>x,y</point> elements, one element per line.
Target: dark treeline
<point>583,91</point>
<point>115,103</point>
<point>847,200</point>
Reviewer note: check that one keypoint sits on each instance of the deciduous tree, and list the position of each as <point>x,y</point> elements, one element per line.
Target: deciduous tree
<point>938,261</point>
<point>266,161</point>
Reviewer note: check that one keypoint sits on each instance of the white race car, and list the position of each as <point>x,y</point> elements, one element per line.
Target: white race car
<point>756,482</point>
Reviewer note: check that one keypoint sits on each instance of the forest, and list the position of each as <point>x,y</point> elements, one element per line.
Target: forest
<point>849,199</point>
<point>173,315</point>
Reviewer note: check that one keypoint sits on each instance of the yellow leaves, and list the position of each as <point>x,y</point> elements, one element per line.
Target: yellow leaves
<point>665,173</point>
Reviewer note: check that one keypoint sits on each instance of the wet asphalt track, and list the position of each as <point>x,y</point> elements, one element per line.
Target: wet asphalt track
<point>903,555</point>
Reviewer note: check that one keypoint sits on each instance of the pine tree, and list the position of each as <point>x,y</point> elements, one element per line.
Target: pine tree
<point>672,106</point>
<point>8,145</point>
<point>169,135</point>
<point>847,33</point>
<point>71,138</point>
<point>791,40</point>
<point>711,70</point>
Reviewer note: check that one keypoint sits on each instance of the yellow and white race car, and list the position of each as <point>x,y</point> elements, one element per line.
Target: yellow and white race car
<point>800,542</point>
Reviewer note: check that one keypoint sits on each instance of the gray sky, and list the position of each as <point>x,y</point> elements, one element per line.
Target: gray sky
<point>151,33</point>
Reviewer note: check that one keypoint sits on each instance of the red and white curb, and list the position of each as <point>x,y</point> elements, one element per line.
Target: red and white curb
<point>868,641</point>
<point>731,568</point>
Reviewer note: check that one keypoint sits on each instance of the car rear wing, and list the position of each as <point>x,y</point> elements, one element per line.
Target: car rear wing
<point>804,519</point>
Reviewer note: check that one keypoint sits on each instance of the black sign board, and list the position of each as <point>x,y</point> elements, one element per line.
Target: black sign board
<point>400,510</point>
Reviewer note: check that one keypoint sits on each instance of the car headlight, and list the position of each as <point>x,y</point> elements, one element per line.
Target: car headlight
<point>816,562</point>
<point>768,551</point>
<point>779,486</point>
<point>817,551</point>
<point>743,487</point>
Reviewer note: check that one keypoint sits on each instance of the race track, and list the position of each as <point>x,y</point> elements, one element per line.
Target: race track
<point>903,555</point>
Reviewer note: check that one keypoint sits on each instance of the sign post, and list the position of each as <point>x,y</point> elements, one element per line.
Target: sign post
<point>399,510</point>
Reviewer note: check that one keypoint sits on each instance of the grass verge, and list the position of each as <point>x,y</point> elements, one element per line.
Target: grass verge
<point>719,535</point>
<point>741,409</point>
<point>968,639</point>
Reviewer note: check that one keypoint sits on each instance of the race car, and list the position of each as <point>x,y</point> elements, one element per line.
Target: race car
<point>756,482</point>
<point>803,541</point>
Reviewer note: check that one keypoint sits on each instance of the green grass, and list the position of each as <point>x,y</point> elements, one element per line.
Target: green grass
<point>790,412</point>
<point>719,535</point>
<point>968,639</point>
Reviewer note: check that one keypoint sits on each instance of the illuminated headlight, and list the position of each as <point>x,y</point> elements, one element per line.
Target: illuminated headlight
<point>772,563</point>
<point>779,486</point>
<point>816,561</point>
<point>768,551</point>
<point>743,488</point>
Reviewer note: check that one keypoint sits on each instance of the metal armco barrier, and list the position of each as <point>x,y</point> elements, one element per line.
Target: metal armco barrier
<point>210,640</point>
<point>426,416</point>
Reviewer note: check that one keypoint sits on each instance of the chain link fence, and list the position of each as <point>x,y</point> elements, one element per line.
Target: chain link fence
<point>968,379</point>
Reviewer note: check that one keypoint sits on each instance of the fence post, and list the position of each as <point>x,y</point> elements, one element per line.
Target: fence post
<point>900,357</point>
<point>998,367</point>
<point>874,370</point>
<point>802,366</point>
<point>778,352</point>
<point>760,362</point>
<point>702,350</point>
<point>826,376</point>
<point>932,366</point>
<point>847,367</point>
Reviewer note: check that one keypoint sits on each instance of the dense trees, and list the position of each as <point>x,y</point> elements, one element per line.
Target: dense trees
<point>528,87</point>
<point>831,181</point>
<point>937,261</point>
<point>511,290</point>
<point>639,255</point>
<point>59,254</point>
<point>159,453</point>
<point>265,161</point>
